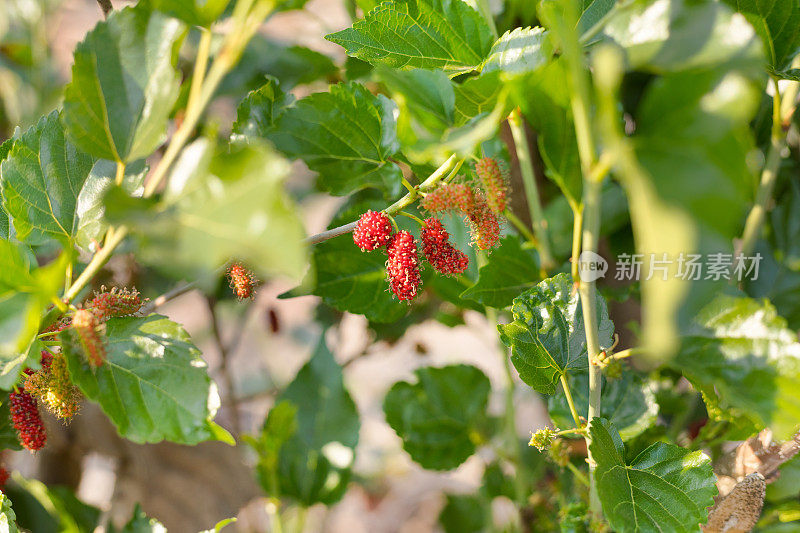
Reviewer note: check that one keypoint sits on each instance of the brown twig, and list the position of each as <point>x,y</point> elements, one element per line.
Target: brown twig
<point>230,393</point>
<point>106,7</point>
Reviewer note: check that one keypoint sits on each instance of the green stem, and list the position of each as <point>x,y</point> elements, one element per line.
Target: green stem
<point>755,219</point>
<point>521,227</point>
<point>246,23</point>
<point>570,402</point>
<point>531,189</point>
<point>485,10</point>
<point>113,238</point>
<point>509,418</point>
<point>200,66</point>
<point>451,165</point>
<point>580,476</point>
<point>580,104</point>
<point>120,176</point>
<point>412,217</point>
<point>577,225</point>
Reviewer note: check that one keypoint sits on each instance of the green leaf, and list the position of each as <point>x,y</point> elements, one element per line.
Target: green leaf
<point>476,96</point>
<point>545,104</point>
<point>547,337</point>
<point>315,461</point>
<point>222,524</point>
<point>153,385</point>
<point>741,349</point>
<point>257,113</point>
<point>665,487</point>
<point>221,203</point>
<point>8,435</point>
<point>291,65</point>
<point>90,207</point>
<point>141,523</point>
<point>432,34</point>
<point>628,402</point>
<point>8,520</point>
<point>351,280</point>
<point>692,139</point>
<point>675,35</point>
<point>510,270</point>
<point>438,423</point>
<point>519,51</point>
<point>777,23</point>
<point>42,177</point>
<point>347,135</point>
<point>25,293</point>
<point>124,84</point>
<point>429,126</point>
<point>280,425</point>
<point>193,12</point>
<point>464,514</point>
<point>5,224</point>
<point>593,12</point>
<point>44,509</point>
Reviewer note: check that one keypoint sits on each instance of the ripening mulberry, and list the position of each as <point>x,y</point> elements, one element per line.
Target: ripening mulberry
<point>27,422</point>
<point>4,475</point>
<point>484,224</point>
<point>403,266</point>
<point>494,182</point>
<point>373,230</point>
<point>242,281</point>
<point>86,325</point>
<point>436,246</point>
<point>53,387</point>
<point>116,302</point>
<point>449,197</point>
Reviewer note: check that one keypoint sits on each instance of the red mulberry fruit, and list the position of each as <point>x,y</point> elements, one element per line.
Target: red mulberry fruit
<point>449,197</point>
<point>53,387</point>
<point>373,230</point>
<point>242,281</point>
<point>85,324</point>
<point>116,302</point>
<point>436,246</point>
<point>27,422</point>
<point>4,475</point>
<point>484,224</point>
<point>403,266</point>
<point>494,182</point>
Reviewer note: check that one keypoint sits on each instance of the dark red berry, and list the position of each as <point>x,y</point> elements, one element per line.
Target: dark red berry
<point>4,475</point>
<point>373,230</point>
<point>116,302</point>
<point>436,246</point>
<point>27,422</point>
<point>494,182</point>
<point>403,266</point>
<point>242,281</point>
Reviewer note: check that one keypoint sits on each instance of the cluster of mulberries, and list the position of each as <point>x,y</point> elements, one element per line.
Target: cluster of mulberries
<point>86,326</point>
<point>442,255</point>
<point>27,421</point>
<point>242,281</point>
<point>116,302</point>
<point>374,230</point>
<point>53,387</point>
<point>481,207</point>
